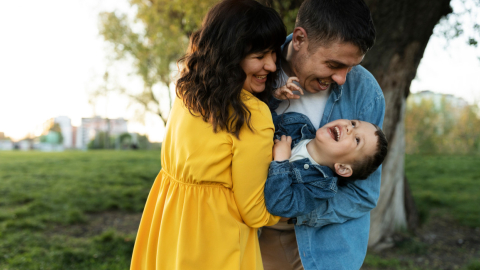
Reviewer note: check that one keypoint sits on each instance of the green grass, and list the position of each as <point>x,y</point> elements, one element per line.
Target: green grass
<point>449,184</point>
<point>39,191</point>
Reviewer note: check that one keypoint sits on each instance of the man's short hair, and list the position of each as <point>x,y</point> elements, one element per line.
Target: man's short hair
<point>328,21</point>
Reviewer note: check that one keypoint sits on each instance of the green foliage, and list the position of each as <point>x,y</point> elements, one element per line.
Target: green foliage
<point>101,141</point>
<point>158,35</point>
<point>155,38</point>
<point>439,127</point>
<point>41,191</point>
<point>137,141</point>
<point>376,261</point>
<point>475,265</point>
<point>56,128</point>
<point>448,184</point>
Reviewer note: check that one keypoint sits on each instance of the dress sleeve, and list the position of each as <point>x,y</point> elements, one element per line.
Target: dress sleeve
<point>252,154</point>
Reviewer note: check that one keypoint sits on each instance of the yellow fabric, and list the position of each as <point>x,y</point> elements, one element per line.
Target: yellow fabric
<point>207,202</point>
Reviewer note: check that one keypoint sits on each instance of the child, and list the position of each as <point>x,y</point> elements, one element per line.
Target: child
<point>301,178</point>
<point>304,176</point>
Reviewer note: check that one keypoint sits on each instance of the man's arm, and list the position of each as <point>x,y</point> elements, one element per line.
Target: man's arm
<point>352,200</point>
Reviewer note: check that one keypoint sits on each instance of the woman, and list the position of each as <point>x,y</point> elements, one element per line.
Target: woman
<point>207,202</point>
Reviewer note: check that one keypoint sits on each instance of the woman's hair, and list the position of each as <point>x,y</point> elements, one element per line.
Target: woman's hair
<point>211,79</point>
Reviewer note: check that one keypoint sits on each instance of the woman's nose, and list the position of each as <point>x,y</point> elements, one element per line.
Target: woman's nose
<point>270,64</point>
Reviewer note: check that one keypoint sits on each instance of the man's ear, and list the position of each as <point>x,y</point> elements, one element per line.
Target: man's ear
<point>299,38</point>
<point>344,170</point>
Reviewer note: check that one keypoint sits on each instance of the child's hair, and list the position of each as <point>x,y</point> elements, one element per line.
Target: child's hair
<point>366,166</point>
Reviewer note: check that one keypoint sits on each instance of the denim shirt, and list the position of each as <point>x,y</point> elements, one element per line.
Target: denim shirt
<point>296,188</point>
<point>335,235</point>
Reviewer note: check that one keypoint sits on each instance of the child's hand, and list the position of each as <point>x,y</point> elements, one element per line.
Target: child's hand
<point>286,91</point>
<point>282,149</point>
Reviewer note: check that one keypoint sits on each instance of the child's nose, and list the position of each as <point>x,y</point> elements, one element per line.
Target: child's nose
<point>349,128</point>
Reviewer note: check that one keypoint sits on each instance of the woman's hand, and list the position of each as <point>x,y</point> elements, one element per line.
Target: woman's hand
<point>286,91</point>
<point>282,148</point>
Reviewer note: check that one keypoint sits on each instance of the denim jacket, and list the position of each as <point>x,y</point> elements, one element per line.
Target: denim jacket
<point>296,188</point>
<point>335,235</point>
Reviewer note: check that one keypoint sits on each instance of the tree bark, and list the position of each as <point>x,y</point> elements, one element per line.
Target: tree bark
<point>403,30</point>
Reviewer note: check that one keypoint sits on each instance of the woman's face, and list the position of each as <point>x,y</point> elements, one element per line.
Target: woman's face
<point>257,66</point>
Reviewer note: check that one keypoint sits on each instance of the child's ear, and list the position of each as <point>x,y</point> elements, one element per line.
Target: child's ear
<point>344,170</point>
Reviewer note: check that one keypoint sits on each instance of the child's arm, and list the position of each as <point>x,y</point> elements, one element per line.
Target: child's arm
<point>286,91</point>
<point>293,189</point>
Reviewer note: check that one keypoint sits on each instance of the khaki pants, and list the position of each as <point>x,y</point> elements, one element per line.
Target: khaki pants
<point>279,250</point>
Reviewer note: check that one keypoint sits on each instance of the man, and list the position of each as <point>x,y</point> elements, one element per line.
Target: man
<point>330,40</point>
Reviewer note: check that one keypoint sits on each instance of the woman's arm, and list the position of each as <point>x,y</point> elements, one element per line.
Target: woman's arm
<point>252,154</point>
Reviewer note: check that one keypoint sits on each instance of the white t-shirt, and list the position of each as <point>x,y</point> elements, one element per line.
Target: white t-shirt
<point>300,152</point>
<point>312,105</point>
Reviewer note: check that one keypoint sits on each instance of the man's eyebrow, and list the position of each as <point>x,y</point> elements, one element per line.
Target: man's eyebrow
<point>340,64</point>
<point>336,62</point>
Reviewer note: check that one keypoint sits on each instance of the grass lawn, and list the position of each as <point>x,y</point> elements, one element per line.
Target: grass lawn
<point>448,184</point>
<point>41,191</point>
<point>47,200</point>
<point>447,194</point>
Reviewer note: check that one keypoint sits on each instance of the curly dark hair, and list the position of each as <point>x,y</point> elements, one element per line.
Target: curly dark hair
<point>212,79</point>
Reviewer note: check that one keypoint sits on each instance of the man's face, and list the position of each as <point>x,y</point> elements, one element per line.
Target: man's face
<point>344,141</point>
<point>319,67</point>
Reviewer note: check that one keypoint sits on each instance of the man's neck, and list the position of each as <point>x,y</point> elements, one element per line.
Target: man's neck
<point>287,53</point>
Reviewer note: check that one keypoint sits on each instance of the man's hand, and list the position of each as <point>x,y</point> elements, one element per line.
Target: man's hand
<point>286,91</point>
<point>282,148</point>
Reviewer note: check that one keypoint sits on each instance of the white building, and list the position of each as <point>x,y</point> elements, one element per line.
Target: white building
<point>6,145</point>
<point>90,127</point>
<point>437,99</point>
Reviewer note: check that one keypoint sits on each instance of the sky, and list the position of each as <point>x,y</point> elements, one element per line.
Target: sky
<point>52,57</point>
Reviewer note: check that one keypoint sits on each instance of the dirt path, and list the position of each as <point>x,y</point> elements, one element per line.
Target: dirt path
<point>439,244</point>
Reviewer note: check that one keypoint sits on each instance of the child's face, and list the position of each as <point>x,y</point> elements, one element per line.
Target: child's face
<point>344,141</point>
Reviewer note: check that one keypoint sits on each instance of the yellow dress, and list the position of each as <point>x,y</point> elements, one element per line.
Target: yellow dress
<point>207,202</point>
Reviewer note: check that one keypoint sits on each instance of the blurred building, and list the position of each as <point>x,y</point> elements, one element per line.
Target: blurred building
<point>438,99</point>
<point>25,144</point>
<point>91,127</point>
<point>6,145</point>
<point>65,128</point>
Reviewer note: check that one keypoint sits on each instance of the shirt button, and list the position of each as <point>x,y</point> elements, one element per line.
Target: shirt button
<point>306,166</point>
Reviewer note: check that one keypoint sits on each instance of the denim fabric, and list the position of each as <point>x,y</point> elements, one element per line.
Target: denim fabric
<point>296,188</point>
<point>335,234</point>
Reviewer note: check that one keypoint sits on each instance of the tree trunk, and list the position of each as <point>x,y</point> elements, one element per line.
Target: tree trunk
<point>403,30</point>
